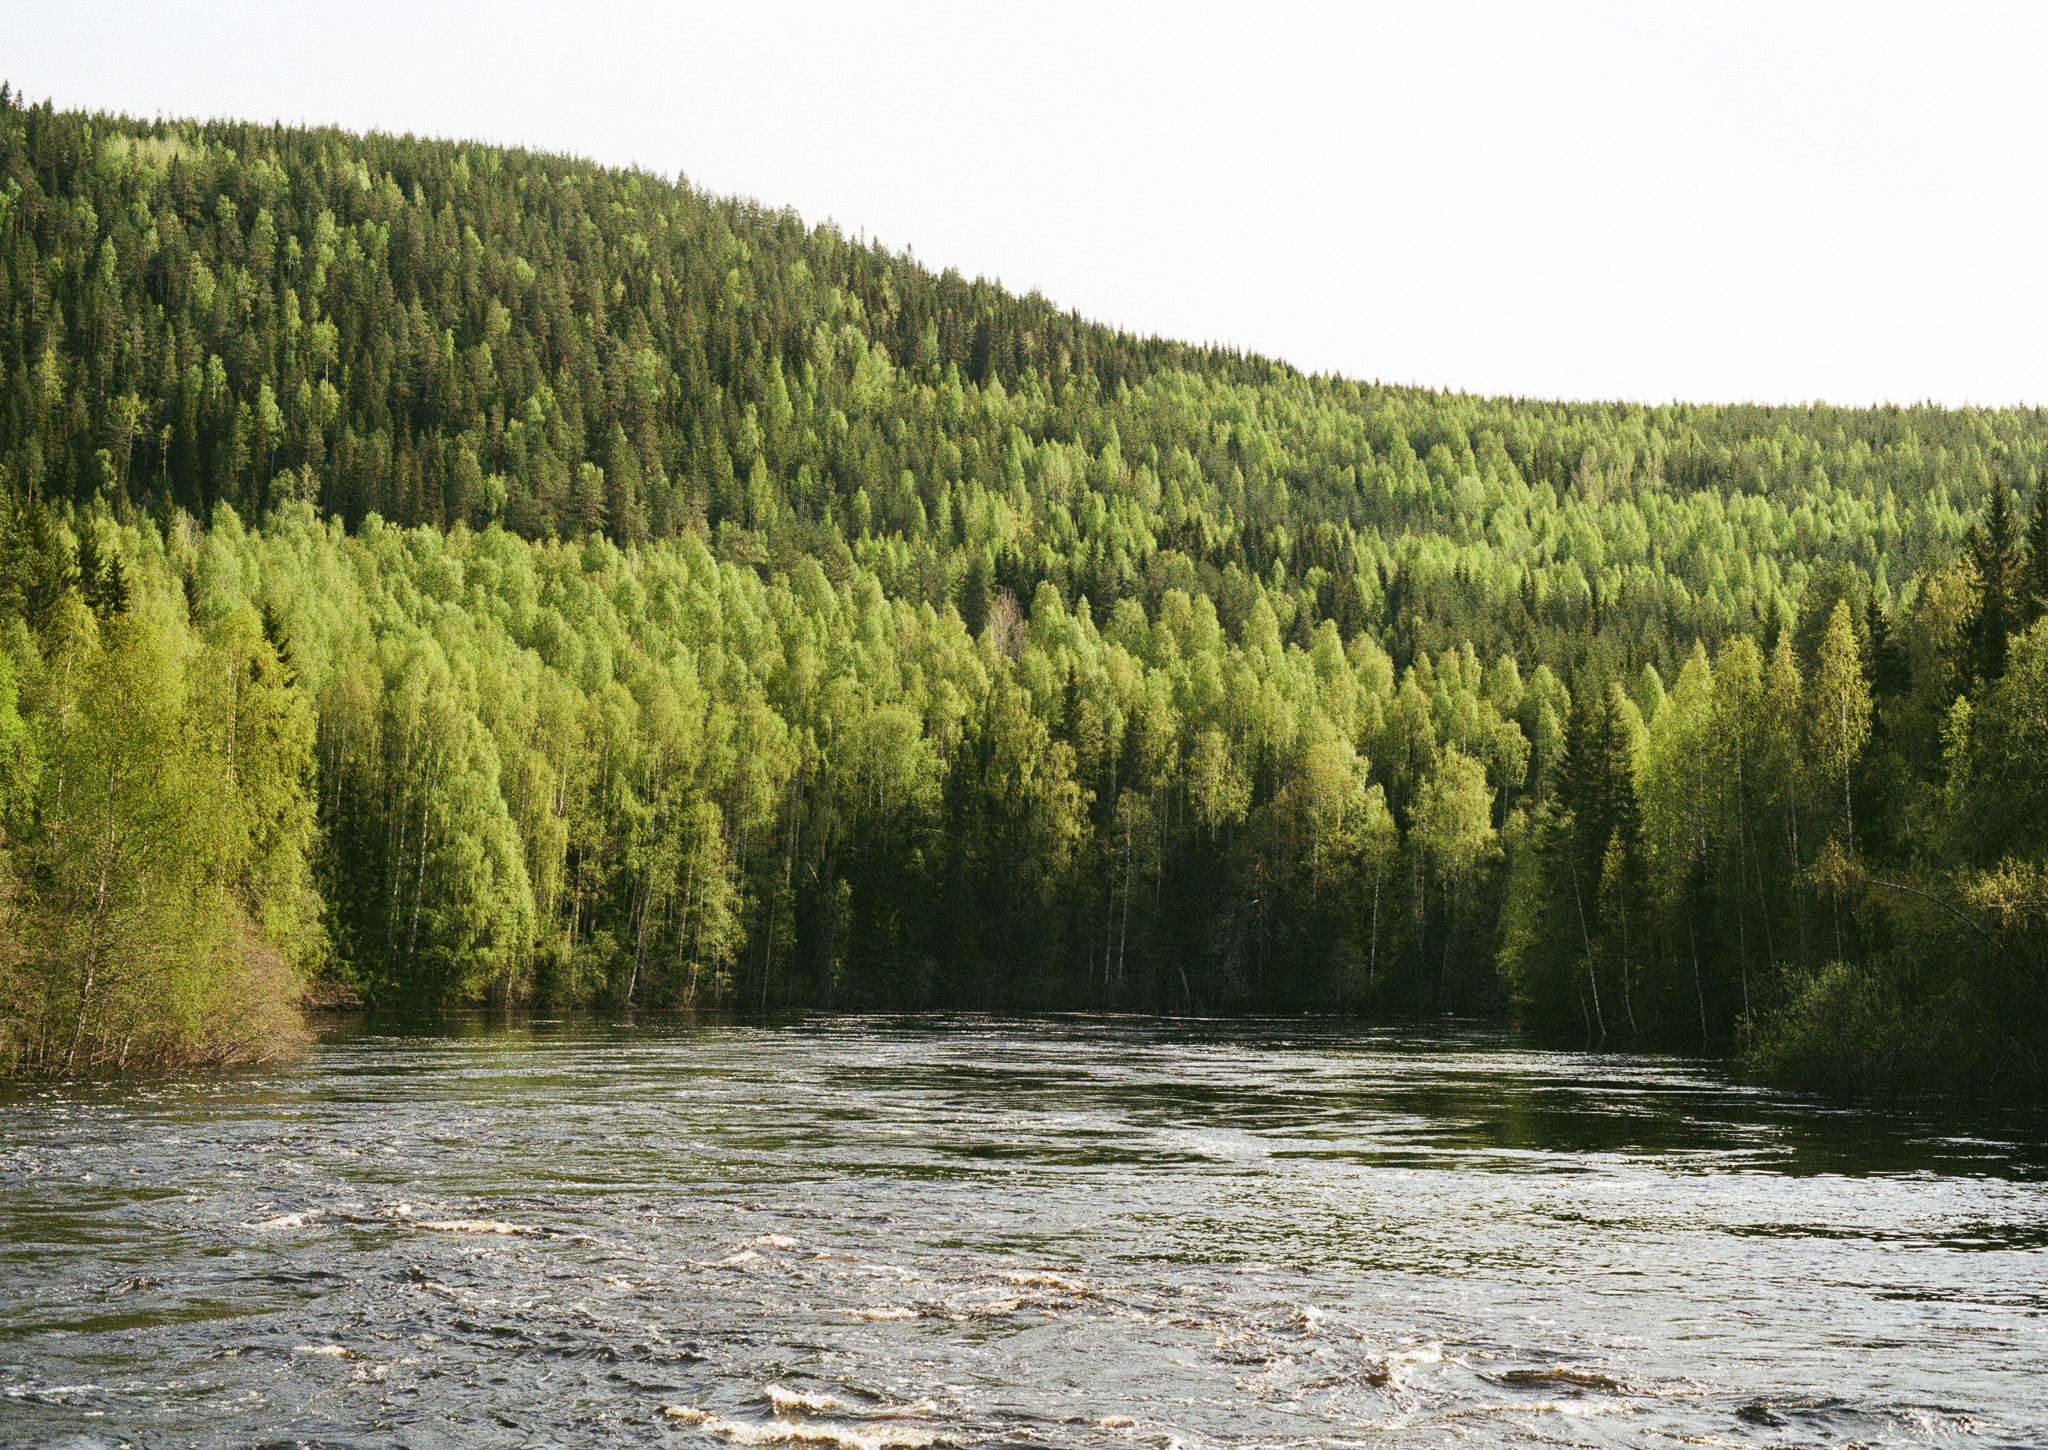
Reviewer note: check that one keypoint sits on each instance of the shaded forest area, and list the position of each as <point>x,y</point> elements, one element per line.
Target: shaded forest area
<point>433,573</point>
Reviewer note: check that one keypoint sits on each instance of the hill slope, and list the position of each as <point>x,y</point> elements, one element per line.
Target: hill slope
<point>715,608</point>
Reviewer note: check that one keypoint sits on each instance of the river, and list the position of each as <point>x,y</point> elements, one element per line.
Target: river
<point>875,1232</point>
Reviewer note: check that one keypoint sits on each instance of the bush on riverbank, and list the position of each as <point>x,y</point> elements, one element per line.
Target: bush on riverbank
<point>156,902</point>
<point>1845,1028</point>
<point>1863,1030</point>
<point>1960,1000</point>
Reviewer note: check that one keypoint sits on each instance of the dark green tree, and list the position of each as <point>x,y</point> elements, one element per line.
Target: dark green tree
<point>2034,589</point>
<point>1998,593</point>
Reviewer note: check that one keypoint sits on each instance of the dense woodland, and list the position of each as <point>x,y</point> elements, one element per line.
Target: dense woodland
<point>436,574</point>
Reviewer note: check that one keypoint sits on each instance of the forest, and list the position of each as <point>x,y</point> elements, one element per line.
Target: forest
<point>434,574</point>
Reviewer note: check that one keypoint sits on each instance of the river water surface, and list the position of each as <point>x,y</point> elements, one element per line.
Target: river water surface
<point>1075,1232</point>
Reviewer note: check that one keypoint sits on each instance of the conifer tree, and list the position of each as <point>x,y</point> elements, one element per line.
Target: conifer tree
<point>36,566</point>
<point>2034,591</point>
<point>1995,611</point>
<point>1886,664</point>
<point>1840,709</point>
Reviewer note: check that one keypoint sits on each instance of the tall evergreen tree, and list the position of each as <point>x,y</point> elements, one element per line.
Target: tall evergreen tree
<point>2034,590</point>
<point>1995,609</point>
<point>1886,664</point>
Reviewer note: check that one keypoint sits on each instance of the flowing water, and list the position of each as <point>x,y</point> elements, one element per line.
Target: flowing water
<point>1074,1232</point>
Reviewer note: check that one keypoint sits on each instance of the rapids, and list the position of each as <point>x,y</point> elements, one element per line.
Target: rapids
<point>871,1232</point>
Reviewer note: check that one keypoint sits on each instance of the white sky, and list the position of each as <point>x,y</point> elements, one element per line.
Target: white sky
<point>1775,201</point>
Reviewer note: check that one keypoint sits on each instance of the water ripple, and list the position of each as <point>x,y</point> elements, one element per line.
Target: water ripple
<point>883,1232</point>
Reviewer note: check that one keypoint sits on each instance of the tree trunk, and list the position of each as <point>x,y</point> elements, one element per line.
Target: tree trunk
<point>1372,960</point>
<point>1592,977</point>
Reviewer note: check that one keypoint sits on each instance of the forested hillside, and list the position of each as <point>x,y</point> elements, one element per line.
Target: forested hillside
<point>566,586</point>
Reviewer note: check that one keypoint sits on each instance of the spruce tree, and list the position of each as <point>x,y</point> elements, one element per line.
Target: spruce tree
<point>280,644</point>
<point>35,563</point>
<point>1994,549</point>
<point>89,569</point>
<point>102,582</point>
<point>1887,666</point>
<point>1582,781</point>
<point>2034,589</point>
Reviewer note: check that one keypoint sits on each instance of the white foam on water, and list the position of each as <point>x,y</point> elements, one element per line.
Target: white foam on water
<point>1582,1408</point>
<point>986,1309</point>
<point>1042,1279</point>
<point>28,1391</point>
<point>1394,1370</point>
<point>875,1267</point>
<point>785,1401</point>
<point>471,1226</point>
<point>804,1432</point>
<point>1575,1409</point>
<point>909,1411</point>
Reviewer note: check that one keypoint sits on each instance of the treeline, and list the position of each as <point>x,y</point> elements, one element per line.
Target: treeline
<point>569,773</point>
<point>439,333</point>
<point>689,606</point>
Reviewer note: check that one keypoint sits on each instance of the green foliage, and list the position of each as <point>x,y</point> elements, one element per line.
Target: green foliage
<point>441,334</point>
<point>2000,603</point>
<point>1846,1028</point>
<point>658,602</point>
<point>159,900</point>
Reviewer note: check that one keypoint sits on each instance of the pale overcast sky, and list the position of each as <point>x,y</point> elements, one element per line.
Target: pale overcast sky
<point>1708,201</point>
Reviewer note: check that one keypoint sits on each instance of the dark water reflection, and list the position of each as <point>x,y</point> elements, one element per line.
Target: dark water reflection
<point>1069,1232</point>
